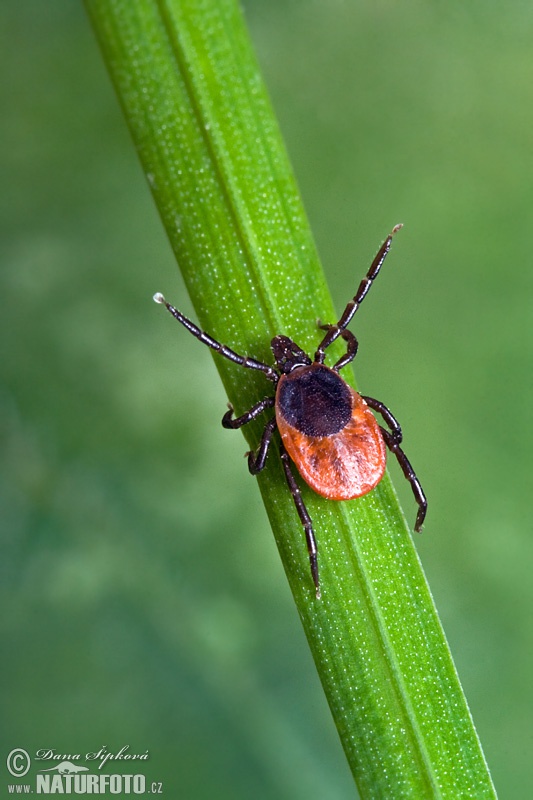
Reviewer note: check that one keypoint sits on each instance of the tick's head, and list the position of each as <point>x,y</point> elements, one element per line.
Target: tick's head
<point>288,355</point>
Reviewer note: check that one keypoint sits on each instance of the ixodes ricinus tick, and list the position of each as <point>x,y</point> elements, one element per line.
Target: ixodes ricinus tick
<point>327,429</point>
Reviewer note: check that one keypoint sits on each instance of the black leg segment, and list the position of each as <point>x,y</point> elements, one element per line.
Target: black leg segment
<point>336,330</point>
<point>243,361</point>
<point>304,518</point>
<point>388,416</point>
<point>256,461</point>
<point>229,422</point>
<point>351,351</point>
<point>410,474</point>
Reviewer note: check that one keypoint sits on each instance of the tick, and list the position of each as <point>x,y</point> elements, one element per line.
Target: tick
<point>327,429</point>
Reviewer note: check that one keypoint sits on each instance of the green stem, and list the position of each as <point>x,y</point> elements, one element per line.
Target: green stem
<point>211,150</point>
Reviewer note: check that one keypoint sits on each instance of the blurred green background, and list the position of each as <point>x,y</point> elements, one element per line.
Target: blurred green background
<point>143,599</point>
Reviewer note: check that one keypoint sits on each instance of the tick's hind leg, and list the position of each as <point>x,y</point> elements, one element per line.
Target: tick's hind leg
<point>410,474</point>
<point>304,518</point>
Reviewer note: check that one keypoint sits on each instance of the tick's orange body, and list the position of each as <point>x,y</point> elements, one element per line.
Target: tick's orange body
<point>329,432</point>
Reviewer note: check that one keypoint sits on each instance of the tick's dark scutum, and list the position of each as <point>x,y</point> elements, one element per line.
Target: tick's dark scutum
<point>314,400</point>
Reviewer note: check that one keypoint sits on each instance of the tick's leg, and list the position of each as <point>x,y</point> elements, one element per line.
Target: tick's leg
<point>336,330</point>
<point>351,351</point>
<point>410,474</point>
<point>243,361</point>
<point>256,461</point>
<point>304,518</point>
<point>238,422</point>
<point>388,416</point>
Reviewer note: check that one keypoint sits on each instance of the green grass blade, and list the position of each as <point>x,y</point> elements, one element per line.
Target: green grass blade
<point>211,150</point>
